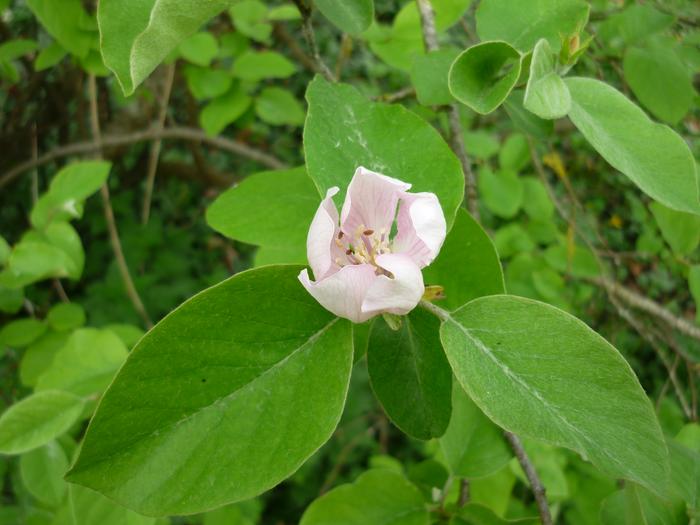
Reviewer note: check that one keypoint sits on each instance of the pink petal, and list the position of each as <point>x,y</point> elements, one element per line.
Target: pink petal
<point>421,227</point>
<point>344,291</point>
<point>400,294</point>
<point>321,249</point>
<point>371,202</point>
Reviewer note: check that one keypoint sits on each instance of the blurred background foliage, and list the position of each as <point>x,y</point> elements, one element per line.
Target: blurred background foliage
<point>231,103</point>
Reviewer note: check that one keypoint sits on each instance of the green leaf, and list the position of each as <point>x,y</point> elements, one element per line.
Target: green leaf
<point>350,16</point>
<point>224,110</point>
<point>223,399</point>
<point>278,107</point>
<point>5,250</point>
<point>377,497</point>
<point>137,35</point>
<point>515,153</point>
<point>205,82</point>
<point>483,75</point>
<point>86,364</point>
<point>250,18</point>
<point>67,191</point>
<point>429,76</point>
<point>87,507</point>
<point>481,144</point>
<point>11,299</point>
<point>476,514</point>
<point>652,155</point>
<point>49,56</point>
<point>660,80</point>
<point>66,22</point>
<point>66,316</point>
<point>473,446</point>
<point>634,25</point>
<point>410,374</point>
<point>344,131</point>
<point>512,239</point>
<point>576,260</point>
<point>522,24</point>
<point>284,13</point>
<point>536,201</point>
<point>685,473</point>
<point>546,94</point>
<point>271,209</point>
<point>42,471</point>
<point>541,373</point>
<point>524,120</point>
<point>694,285</point>
<point>199,49</point>
<point>634,505</point>
<point>16,48</point>
<point>501,192</point>
<point>467,266</point>
<point>259,65</point>
<point>680,230</point>
<point>22,332</point>
<point>39,356</point>
<point>37,419</point>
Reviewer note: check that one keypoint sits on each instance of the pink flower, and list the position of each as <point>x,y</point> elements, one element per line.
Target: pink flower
<point>360,269</point>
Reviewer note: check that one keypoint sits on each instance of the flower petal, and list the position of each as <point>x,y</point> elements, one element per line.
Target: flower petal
<point>344,291</point>
<point>321,249</point>
<point>400,294</point>
<point>371,202</point>
<point>421,227</point>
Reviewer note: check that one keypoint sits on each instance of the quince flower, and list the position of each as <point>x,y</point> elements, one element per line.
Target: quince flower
<point>361,268</point>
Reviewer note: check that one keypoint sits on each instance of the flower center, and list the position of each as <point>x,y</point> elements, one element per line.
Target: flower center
<point>363,247</point>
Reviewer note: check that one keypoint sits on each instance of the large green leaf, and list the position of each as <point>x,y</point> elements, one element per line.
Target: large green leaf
<point>86,364</point>
<point>223,399</point>
<point>660,80</point>
<point>652,155</point>
<point>546,95</point>
<point>37,419</point>
<point>67,21</point>
<point>539,372</point>
<point>377,497</point>
<point>351,16</point>
<point>272,209</point>
<point>87,507</point>
<point>522,24</point>
<point>473,446</point>
<point>410,374</point>
<point>483,75</point>
<point>137,35</point>
<point>633,505</point>
<point>467,266</point>
<point>344,131</point>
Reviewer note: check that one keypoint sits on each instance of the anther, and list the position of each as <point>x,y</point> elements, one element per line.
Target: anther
<point>340,234</point>
<point>368,232</point>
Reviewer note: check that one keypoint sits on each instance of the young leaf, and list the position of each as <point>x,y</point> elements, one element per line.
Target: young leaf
<point>501,191</point>
<point>379,496</point>
<point>522,24</point>
<point>344,131</point>
<point>259,65</point>
<point>350,16</point>
<point>137,35</point>
<point>410,374</point>
<point>22,332</point>
<point>467,266</point>
<point>546,94</point>
<point>223,399</point>
<point>38,419</point>
<point>539,372</point>
<point>652,155</point>
<point>66,316</point>
<point>42,472</point>
<point>429,76</point>
<point>199,49</point>
<point>473,446</point>
<point>483,75</point>
<point>224,110</point>
<point>65,21</point>
<point>278,107</point>
<point>272,209</point>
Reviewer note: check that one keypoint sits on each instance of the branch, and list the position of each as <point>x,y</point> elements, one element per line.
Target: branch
<point>537,488</point>
<point>308,31</point>
<point>154,152</point>
<point>131,291</point>
<point>427,18</point>
<point>176,133</point>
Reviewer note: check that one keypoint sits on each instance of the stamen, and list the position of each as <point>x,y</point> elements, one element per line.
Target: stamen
<point>368,232</point>
<point>340,234</point>
<point>348,251</point>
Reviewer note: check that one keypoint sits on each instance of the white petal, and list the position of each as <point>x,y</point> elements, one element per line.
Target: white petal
<point>421,227</point>
<point>400,294</point>
<point>321,249</point>
<point>344,291</point>
<point>371,201</point>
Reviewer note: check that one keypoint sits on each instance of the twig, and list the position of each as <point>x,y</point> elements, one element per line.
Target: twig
<point>427,18</point>
<point>131,291</point>
<point>308,31</point>
<point>537,488</point>
<point>295,49</point>
<point>154,152</point>
<point>175,133</point>
<point>389,98</point>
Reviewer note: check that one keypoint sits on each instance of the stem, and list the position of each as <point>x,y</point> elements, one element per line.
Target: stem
<point>129,287</point>
<point>154,152</point>
<point>427,18</point>
<point>537,488</point>
<point>438,312</point>
<point>308,31</point>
